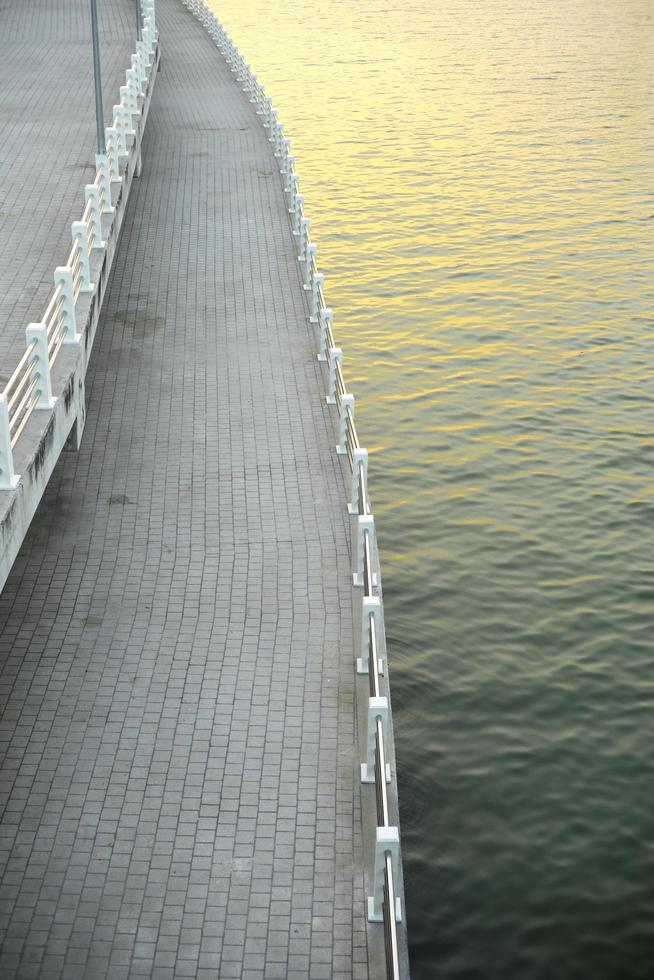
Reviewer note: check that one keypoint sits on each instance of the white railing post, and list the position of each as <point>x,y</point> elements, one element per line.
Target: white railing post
<point>359,459</point>
<point>148,22</point>
<point>387,841</point>
<point>37,332</point>
<point>267,112</point>
<point>80,237</point>
<point>294,191</point>
<point>137,66</point>
<point>63,276</point>
<point>148,9</point>
<point>370,619</point>
<point>119,126</point>
<point>335,357</point>
<point>102,164</point>
<point>126,112</point>
<point>8,479</point>
<point>365,528</point>
<point>284,155</point>
<point>145,54</point>
<point>128,115</point>
<point>326,320</point>
<point>317,284</point>
<point>92,194</point>
<point>133,87</point>
<point>347,405</point>
<point>279,136</point>
<point>289,162</point>
<point>148,35</point>
<point>377,708</point>
<point>305,225</point>
<point>111,138</point>
<point>273,127</point>
<point>145,48</point>
<point>297,216</point>
<point>310,260</point>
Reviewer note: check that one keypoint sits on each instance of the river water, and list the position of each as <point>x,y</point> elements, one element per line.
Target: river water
<point>480,178</point>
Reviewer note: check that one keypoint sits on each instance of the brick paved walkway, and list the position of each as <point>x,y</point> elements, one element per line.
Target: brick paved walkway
<point>47,151</point>
<point>178,754</point>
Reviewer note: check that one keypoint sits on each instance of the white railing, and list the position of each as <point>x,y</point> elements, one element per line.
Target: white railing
<point>384,905</point>
<point>29,388</point>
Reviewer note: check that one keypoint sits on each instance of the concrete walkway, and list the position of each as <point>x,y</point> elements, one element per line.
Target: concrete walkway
<point>178,783</point>
<point>47,149</point>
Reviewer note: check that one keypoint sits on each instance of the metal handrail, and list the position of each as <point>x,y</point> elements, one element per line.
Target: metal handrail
<point>390,925</point>
<point>389,898</point>
<point>340,382</point>
<point>30,408</point>
<point>363,504</point>
<point>380,777</point>
<point>56,318</point>
<point>15,415</point>
<point>352,437</point>
<point>74,255</point>
<point>53,299</point>
<point>367,565</point>
<point>373,658</point>
<point>19,367</point>
<point>77,283</point>
<point>57,341</point>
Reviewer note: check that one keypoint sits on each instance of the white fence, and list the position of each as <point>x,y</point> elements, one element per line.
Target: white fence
<point>30,388</point>
<point>384,905</point>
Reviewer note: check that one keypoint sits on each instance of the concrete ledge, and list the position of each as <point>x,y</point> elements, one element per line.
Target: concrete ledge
<point>47,433</point>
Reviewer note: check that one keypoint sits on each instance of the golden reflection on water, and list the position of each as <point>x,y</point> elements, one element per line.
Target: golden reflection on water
<point>479,175</point>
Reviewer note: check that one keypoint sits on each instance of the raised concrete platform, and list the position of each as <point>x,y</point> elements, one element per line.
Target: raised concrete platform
<point>179,779</point>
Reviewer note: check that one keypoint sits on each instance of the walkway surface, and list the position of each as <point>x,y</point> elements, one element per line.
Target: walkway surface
<point>48,144</point>
<point>178,790</point>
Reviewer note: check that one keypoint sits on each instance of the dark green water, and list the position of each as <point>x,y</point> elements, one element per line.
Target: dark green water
<point>480,176</point>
